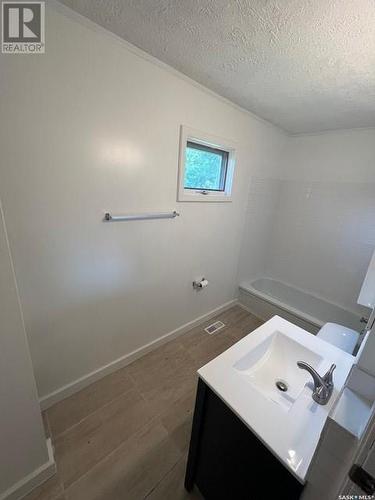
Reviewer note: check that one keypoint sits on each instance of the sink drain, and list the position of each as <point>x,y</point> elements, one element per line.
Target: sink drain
<point>281,385</point>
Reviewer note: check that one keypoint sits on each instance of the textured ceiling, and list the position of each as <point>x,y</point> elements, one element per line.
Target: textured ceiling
<point>306,65</point>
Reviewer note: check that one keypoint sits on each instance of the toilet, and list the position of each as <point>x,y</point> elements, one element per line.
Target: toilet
<point>340,336</point>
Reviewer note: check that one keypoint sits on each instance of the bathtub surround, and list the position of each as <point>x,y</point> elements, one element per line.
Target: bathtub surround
<point>323,237</point>
<point>263,198</point>
<point>311,226</point>
<point>99,132</point>
<point>324,234</point>
<point>25,459</point>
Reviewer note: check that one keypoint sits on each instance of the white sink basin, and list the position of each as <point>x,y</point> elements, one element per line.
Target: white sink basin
<point>288,423</point>
<point>272,369</point>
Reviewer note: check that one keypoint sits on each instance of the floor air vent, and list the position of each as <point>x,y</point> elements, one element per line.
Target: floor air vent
<point>218,325</point>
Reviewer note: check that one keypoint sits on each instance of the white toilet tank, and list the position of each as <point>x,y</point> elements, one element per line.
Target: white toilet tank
<point>340,336</point>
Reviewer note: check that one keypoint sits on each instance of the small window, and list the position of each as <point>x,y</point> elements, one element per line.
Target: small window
<point>206,167</point>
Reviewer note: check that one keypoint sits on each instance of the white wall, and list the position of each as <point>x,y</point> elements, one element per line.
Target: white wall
<point>22,442</point>
<point>324,232</point>
<point>319,231</point>
<point>263,197</point>
<point>91,127</point>
<point>341,156</point>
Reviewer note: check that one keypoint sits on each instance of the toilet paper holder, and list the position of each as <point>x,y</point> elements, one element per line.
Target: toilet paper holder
<point>198,285</point>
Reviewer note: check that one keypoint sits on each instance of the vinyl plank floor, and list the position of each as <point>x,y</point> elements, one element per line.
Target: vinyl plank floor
<point>132,470</point>
<point>171,487</point>
<point>72,410</point>
<point>84,445</point>
<point>126,436</point>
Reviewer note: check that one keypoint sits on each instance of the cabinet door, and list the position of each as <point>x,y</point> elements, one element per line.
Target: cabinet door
<point>232,464</point>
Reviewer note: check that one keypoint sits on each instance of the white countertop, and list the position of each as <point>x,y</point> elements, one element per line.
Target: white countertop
<point>290,434</point>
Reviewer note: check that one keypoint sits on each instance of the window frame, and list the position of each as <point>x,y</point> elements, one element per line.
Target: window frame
<point>197,138</point>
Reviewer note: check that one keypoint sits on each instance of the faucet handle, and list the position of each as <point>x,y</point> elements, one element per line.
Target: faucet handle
<point>328,377</point>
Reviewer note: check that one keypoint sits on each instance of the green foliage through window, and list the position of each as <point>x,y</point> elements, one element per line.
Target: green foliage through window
<point>205,167</point>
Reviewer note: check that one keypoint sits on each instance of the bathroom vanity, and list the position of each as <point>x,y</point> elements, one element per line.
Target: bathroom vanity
<point>256,426</point>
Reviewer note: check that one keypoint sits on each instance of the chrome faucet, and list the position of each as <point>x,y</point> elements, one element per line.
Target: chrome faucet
<point>323,386</point>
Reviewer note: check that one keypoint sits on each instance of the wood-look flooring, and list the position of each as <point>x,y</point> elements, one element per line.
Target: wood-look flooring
<point>126,436</point>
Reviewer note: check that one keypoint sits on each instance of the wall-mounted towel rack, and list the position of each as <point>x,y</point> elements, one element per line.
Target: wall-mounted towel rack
<point>157,215</point>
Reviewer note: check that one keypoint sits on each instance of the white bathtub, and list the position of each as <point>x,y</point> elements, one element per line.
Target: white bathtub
<point>266,297</point>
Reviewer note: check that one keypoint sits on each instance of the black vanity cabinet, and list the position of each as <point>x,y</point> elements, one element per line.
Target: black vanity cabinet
<point>227,461</point>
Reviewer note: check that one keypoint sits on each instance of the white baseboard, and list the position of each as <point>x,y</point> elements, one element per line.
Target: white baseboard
<point>31,481</point>
<point>75,386</point>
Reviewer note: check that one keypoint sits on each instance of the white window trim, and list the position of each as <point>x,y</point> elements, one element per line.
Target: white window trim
<point>189,134</point>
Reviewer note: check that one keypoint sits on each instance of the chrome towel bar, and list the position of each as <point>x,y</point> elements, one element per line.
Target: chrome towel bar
<point>157,215</point>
